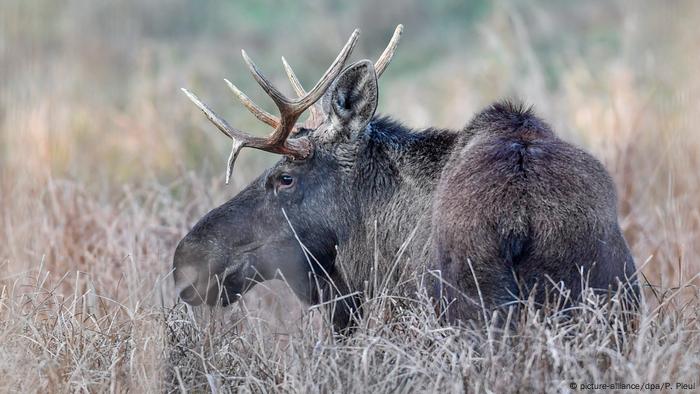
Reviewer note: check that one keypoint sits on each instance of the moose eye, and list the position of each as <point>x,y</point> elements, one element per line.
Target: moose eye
<point>285,181</point>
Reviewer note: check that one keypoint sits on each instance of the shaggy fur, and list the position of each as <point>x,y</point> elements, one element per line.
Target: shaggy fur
<point>517,207</point>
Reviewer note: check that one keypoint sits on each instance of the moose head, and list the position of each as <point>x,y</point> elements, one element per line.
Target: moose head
<point>288,222</point>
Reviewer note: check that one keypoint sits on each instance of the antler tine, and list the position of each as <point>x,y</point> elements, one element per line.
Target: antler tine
<point>316,110</point>
<point>329,76</point>
<point>293,78</point>
<point>239,138</point>
<point>388,53</point>
<point>280,100</point>
<point>220,123</point>
<point>259,113</point>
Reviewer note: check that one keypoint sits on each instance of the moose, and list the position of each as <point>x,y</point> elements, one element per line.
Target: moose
<point>494,212</point>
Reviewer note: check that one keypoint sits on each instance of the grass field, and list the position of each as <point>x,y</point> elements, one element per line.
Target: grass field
<point>104,166</point>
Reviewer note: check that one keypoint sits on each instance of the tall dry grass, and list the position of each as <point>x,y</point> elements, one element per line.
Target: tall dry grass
<point>103,167</point>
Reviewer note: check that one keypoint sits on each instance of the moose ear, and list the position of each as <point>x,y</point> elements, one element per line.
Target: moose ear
<point>353,98</point>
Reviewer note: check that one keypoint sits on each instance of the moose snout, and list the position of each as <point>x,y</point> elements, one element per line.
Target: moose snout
<point>198,278</point>
<point>186,285</point>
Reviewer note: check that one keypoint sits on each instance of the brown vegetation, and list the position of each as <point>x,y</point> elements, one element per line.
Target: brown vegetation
<point>104,165</point>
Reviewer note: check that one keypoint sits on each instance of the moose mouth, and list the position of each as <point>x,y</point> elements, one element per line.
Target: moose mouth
<point>228,293</point>
<point>225,288</point>
<point>234,285</point>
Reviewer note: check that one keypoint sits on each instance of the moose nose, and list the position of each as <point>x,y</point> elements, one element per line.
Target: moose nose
<point>186,274</point>
<point>196,272</point>
<point>186,283</point>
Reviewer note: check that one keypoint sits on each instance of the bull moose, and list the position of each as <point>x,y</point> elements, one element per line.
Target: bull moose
<point>496,210</point>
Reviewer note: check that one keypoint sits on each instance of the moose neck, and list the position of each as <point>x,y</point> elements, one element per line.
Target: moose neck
<point>398,169</point>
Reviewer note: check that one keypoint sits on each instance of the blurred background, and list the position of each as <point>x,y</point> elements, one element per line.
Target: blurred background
<point>104,164</point>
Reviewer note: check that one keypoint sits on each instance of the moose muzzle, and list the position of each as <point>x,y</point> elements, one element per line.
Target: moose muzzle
<point>204,274</point>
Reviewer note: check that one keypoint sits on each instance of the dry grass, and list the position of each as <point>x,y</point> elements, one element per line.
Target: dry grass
<point>103,167</point>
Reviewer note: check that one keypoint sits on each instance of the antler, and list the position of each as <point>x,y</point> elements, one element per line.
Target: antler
<point>290,110</point>
<point>316,111</point>
<point>384,60</point>
<point>316,116</point>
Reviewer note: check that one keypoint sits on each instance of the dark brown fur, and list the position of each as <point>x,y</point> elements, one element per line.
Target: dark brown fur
<point>516,206</point>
